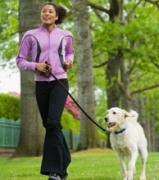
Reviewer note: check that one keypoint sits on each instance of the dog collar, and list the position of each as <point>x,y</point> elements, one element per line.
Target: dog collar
<point>120,131</point>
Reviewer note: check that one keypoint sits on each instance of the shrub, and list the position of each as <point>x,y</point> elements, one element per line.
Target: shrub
<point>10,109</point>
<point>9,106</point>
<point>69,122</point>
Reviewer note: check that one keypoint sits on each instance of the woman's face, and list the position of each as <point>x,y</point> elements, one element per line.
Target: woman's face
<point>48,15</point>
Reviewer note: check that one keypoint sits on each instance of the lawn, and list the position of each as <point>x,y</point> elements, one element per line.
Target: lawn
<point>96,164</point>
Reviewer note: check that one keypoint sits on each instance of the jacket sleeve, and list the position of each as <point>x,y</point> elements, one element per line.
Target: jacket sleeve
<point>24,52</point>
<point>69,51</point>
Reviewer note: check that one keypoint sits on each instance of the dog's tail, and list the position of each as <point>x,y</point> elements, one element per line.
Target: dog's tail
<point>134,115</point>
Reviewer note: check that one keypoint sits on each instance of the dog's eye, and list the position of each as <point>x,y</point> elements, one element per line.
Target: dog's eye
<point>114,112</point>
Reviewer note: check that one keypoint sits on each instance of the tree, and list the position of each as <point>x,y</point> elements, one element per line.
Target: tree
<point>130,49</point>
<point>88,132</point>
<point>31,134</point>
<point>126,35</point>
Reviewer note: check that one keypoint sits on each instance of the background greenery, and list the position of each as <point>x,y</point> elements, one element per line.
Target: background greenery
<point>137,37</point>
<point>10,109</point>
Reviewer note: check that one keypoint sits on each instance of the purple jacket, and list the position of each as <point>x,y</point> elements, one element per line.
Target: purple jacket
<point>54,47</point>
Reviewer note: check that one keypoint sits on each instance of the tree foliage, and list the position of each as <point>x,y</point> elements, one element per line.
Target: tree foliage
<point>8,28</point>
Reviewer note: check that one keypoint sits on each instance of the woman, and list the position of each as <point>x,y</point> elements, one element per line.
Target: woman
<point>51,50</point>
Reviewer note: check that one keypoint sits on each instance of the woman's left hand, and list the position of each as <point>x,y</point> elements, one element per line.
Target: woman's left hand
<point>68,64</point>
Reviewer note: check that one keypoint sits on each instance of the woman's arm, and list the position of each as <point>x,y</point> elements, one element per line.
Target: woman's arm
<point>24,53</point>
<point>69,52</point>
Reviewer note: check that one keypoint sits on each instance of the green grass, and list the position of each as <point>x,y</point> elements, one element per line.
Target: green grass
<point>96,164</point>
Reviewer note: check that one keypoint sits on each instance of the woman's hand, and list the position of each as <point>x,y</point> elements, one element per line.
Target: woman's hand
<point>68,64</point>
<point>41,67</point>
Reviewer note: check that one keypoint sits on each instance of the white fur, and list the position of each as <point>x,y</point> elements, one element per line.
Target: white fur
<point>128,143</point>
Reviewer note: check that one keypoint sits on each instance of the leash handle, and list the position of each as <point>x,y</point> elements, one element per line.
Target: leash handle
<point>84,112</point>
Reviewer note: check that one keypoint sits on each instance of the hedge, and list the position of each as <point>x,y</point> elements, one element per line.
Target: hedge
<point>9,106</point>
<point>10,109</point>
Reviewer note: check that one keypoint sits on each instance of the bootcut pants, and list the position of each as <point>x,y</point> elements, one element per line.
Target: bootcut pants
<point>51,99</point>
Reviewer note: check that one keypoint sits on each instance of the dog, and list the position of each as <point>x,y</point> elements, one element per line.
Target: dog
<point>127,139</point>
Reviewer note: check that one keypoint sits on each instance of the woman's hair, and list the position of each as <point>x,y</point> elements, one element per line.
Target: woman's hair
<point>60,11</point>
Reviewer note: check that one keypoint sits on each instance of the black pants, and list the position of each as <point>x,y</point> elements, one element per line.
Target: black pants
<point>51,99</point>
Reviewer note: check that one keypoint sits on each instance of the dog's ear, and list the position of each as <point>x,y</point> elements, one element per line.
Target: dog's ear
<point>126,114</point>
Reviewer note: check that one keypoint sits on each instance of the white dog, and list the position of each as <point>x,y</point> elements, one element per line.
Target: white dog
<point>127,139</point>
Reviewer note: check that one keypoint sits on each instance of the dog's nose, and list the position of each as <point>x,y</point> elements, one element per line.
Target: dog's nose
<point>111,124</point>
<point>106,119</point>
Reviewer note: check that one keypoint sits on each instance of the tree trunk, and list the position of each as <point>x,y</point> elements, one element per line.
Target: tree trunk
<point>125,95</point>
<point>88,131</point>
<point>114,61</point>
<point>112,75</point>
<point>32,133</point>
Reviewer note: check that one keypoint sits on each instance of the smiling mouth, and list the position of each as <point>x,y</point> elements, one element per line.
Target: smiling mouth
<point>46,19</point>
<point>111,124</point>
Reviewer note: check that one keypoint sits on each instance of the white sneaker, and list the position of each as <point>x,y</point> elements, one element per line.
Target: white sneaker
<point>54,177</point>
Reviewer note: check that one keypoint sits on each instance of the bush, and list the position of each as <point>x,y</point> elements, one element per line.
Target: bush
<point>9,106</point>
<point>69,122</point>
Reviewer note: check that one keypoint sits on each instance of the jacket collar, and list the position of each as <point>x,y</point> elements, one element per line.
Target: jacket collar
<point>42,27</point>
